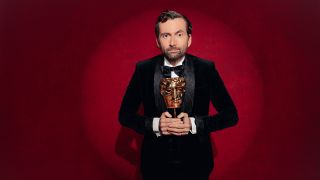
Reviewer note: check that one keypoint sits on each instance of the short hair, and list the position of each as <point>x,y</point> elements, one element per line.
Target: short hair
<point>168,14</point>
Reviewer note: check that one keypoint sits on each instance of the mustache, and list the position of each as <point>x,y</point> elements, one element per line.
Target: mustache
<point>173,49</point>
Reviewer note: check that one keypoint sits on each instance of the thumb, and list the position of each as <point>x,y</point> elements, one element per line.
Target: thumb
<point>181,115</point>
<point>167,114</point>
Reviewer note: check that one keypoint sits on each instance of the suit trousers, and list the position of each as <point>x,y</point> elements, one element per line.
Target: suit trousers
<point>175,171</point>
<point>175,177</point>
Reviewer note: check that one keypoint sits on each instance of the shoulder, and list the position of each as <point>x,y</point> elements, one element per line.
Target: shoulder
<point>200,62</point>
<point>149,63</point>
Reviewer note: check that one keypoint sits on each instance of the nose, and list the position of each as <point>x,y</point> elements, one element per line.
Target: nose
<point>172,42</point>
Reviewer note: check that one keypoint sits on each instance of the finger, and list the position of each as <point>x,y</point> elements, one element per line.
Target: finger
<point>178,125</point>
<point>175,130</point>
<point>175,120</point>
<point>186,120</point>
<point>179,128</point>
<point>176,134</point>
<point>183,133</point>
<point>165,120</point>
<point>164,125</point>
<point>167,114</point>
<point>164,130</point>
<point>175,123</point>
<point>182,115</point>
<point>180,134</point>
<point>165,133</point>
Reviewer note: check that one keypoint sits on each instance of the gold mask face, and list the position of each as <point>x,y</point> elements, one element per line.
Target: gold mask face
<point>172,90</point>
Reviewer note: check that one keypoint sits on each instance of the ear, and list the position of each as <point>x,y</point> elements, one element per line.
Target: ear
<point>189,40</point>
<point>158,44</point>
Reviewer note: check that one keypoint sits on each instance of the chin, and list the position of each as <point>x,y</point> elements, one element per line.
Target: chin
<point>175,58</point>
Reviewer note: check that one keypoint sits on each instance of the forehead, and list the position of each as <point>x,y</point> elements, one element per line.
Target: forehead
<point>173,25</point>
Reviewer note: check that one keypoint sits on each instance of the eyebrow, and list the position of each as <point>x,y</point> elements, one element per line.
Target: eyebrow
<point>179,31</point>
<point>164,33</point>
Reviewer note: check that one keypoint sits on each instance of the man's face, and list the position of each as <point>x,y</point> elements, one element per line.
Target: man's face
<point>173,39</point>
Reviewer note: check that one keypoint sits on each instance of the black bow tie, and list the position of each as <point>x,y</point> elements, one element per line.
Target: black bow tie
<point>166,71</point>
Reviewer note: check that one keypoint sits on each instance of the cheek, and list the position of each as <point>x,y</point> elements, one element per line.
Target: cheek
<point>164,43</point>
<point>184,43</point>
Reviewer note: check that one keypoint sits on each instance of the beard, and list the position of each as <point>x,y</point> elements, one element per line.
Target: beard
<point>175,56</point>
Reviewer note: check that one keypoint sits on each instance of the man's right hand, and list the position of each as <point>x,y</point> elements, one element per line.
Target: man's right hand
<point>165,120</point>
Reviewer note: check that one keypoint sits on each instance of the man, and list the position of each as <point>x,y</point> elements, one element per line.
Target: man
<point>176,148</point>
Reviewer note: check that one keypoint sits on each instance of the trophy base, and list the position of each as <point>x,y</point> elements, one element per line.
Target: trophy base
<point>174,111</point>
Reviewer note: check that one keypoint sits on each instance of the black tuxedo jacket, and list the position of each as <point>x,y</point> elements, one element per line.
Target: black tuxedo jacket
<point>203,85</point>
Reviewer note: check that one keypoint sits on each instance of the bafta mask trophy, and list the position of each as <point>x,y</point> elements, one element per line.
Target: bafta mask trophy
<point>172,90</point>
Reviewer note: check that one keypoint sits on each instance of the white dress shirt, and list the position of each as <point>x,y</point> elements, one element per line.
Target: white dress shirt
<point>156,120</point>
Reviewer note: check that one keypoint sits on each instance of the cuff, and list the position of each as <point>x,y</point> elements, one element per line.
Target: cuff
<point>155,126</point>
<point>193,129</point>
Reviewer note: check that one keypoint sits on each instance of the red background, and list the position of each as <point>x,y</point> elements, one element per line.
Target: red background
<point>50,52</point>
<point>111,66</point>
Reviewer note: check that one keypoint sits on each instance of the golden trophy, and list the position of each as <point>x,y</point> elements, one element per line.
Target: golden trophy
<point>172,90</point>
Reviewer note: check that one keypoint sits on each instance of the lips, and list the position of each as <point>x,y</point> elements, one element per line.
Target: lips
<point>173,50</point>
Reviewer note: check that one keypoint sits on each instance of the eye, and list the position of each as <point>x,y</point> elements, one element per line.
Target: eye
<point>165,36</point>
<point>180,34</point>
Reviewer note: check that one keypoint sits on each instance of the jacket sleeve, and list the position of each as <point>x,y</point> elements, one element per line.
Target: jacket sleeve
<point>226,111</point>
<point>128,114</point>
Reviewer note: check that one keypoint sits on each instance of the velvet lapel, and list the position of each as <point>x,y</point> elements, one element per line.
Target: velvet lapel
<point>190,83</point>
<point>187,104</point>
<point>160,104</point>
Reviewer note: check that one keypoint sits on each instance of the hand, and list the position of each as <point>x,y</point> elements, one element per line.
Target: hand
<point>165,121</point>
<point>180,128</point>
